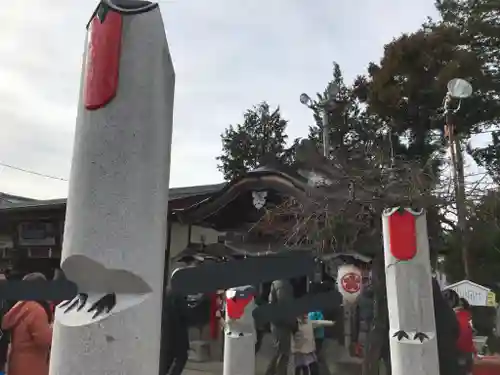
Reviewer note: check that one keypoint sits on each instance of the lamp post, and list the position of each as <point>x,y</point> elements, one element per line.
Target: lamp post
<point>327,105</point>
<point>457,89</point>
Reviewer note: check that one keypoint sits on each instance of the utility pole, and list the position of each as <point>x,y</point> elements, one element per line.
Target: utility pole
<point>458,89</point>
<point>461,205</point>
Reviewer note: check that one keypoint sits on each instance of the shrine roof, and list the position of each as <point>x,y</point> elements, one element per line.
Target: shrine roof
<point>51,204</point>
<point>7,200</point>
<point>280,180</point>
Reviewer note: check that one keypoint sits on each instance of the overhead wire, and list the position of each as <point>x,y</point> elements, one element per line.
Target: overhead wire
<point>28,171</point>
<point>52,177</point>
<point>57,178</point>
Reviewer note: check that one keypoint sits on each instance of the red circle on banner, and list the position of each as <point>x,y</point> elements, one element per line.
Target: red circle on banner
<point>351,282</point>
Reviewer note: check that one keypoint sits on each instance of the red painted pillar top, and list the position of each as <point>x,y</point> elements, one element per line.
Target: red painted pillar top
<point>103,58</point>
<point>402,235</point>
<point>235,307</point>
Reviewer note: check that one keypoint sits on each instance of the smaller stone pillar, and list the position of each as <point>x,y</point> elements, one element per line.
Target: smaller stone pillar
<point>239,332</point>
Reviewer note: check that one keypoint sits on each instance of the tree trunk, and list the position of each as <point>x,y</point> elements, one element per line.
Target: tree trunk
<point>377,346</point>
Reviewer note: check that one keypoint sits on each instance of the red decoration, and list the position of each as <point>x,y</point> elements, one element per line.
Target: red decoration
<point>235,307</point>
<point>351,282</point>
<point>402,235</point>
<point>103,61</point>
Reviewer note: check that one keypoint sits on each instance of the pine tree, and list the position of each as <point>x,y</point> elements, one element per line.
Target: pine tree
<point>484,243</point>
<point>478,24</point>
<point>259,139</point>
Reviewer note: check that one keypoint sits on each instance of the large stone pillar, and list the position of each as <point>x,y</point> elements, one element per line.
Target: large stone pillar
<point>412,326</point>
<point>116,218</point>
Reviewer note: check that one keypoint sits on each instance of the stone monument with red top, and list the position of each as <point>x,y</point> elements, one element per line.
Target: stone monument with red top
<point>412,326</point>
<point>116,216</point>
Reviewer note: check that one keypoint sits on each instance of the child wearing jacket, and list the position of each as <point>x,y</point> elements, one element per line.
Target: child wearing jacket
<point>304,347</point>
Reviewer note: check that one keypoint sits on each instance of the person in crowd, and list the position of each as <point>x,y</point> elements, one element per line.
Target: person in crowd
<point>319,332</point>
<point>497,321</point>
<point>493,345</point>
<point>282,330</point>
<point>366,306</point>
<point>447,329</point>
<point>260,330</point>
<point>4,339</point>
<point>175,319</point>
<point>318,322</point>
<point>465,342</point>
<point>304,348</point>
<point>30,326</point>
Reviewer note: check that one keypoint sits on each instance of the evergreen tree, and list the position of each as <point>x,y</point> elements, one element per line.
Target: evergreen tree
<point>260,139</point>
<point>406,90</point>
<point>488,156</point>
<point>483,244</point>
<point>351,128</point>
<point>478,24</point>
<point>408,86</point>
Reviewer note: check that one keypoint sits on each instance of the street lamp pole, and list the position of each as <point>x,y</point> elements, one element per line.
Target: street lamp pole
<point>328,104</point>
<point>326,135</point>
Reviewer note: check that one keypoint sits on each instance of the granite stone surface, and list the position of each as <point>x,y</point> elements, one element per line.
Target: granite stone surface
<point>117,211</point>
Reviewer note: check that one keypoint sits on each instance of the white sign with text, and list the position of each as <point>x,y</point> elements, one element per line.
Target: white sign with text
<point>475,294</point>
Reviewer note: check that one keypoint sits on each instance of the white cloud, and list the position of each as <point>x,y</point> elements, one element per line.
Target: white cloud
<point>228,54</point>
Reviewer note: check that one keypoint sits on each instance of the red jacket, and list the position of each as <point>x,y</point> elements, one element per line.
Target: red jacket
<point>465,342</point>
<point>31,337</point>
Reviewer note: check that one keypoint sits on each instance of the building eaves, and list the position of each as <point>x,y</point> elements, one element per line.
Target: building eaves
<point>174,194</point>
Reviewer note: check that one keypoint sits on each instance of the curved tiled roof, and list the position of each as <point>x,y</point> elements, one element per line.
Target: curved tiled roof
<point>281,179</point>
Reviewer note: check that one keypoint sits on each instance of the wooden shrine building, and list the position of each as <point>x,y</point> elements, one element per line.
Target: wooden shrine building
<point>31,231</point>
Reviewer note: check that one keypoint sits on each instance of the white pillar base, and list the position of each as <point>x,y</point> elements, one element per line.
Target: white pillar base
<point>239,354</point>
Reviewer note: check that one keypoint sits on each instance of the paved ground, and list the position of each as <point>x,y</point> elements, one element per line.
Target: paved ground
<point>207,368</point>
<point>336,362</point>
<point>215,368</point>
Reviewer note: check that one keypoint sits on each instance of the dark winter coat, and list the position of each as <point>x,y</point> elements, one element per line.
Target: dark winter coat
<point>447,331</point>
<point>281,291</point>
<point>175,324</point>
<point>366,306</point>
<point>5,306</point>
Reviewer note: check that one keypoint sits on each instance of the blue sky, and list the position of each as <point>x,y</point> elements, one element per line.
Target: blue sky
<point>228,56</point>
